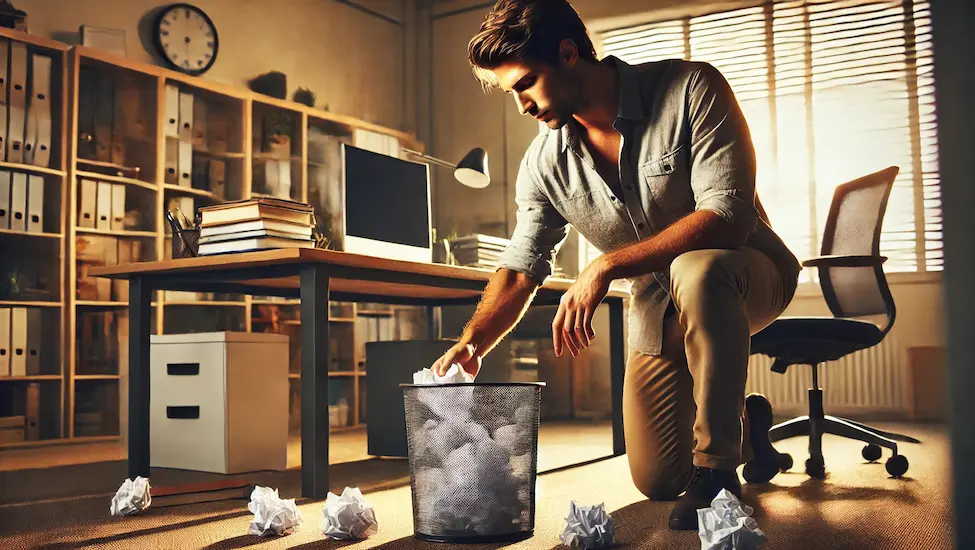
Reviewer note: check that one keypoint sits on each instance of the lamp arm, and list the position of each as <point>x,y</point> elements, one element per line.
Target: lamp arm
<point>428,158</point>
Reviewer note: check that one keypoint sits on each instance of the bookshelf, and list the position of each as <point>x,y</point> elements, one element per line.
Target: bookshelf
<point>115,133</point>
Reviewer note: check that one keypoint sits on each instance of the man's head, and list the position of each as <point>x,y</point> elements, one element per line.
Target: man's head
<point>532,49</point>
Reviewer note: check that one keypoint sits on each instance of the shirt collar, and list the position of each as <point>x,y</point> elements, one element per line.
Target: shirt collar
<point>630,99</point>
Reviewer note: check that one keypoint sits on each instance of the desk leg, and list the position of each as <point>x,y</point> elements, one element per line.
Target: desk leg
<point>314,382</point>
<point>140,299</point>
<point>617,367</point>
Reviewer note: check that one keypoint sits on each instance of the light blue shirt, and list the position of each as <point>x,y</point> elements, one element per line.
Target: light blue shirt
<point>685,147</point>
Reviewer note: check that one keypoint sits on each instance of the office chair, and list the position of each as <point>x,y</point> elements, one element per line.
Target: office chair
<point>853,283</point>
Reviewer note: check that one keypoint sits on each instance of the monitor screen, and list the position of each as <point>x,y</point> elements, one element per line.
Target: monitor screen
<point>387,199</point>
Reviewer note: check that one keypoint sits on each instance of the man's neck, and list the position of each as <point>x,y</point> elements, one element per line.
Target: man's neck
<point>600,92</point>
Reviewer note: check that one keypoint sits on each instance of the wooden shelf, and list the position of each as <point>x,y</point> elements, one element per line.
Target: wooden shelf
<point>96,377</point>
<point>116,179</point>
<point>109,165</point>
<point>28,303</point>
<point>264,302</point>
<point>375,312</point>
<point>30,168</point>
<point>270,156</point>
<point>227,155</point>
<point>31,378</point>
<point>191,192</point>
<point>213,303</point>
<point>28,234</point>
<point>100,303</point>
<point>116,233</point>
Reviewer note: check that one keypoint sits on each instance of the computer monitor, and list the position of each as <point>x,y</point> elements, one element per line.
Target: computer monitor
<point>387,206</point>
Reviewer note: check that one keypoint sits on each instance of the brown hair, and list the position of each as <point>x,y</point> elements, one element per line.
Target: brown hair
<point>526,30</point>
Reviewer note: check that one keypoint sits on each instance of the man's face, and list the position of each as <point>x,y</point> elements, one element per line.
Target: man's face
<point>550,94</point>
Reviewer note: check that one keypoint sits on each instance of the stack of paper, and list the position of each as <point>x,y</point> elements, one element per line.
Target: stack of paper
<point>255,224</point>
<point>478,250</point>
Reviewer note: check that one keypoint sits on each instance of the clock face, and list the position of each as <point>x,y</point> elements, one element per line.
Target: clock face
<point>186,38</point>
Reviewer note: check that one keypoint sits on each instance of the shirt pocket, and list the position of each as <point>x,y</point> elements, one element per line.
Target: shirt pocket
<point>668,179</point>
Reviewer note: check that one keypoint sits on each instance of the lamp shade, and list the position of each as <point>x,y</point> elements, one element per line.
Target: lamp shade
<point>472,170</point>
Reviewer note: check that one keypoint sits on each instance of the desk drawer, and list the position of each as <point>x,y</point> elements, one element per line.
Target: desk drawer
<point>187,374</point>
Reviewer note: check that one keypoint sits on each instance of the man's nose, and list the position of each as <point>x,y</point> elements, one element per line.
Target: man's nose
<point>524,107</point>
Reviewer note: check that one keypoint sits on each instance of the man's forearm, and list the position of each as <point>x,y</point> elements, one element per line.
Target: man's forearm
<point>502,305</point>
<point>699,230</point>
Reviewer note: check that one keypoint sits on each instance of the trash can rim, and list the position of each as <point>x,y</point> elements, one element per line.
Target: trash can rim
<point>465,384</point>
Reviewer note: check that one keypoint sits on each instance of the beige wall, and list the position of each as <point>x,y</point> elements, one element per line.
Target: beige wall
<point>356,62</point>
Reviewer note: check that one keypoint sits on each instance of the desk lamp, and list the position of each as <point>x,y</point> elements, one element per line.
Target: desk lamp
<point>472,170</point>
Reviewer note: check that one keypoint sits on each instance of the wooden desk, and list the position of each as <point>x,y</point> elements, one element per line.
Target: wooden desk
<point>315,276</point>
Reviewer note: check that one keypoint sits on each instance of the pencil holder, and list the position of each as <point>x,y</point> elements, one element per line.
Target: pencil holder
<point>190,248</point>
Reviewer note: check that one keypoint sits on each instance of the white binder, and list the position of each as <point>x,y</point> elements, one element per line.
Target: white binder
<point>35,204</point>
<point>172,111</point>
<point>4,81</point>
<point>34,332</point>
<point>185,117</point>
<point>118,207</point>
<point>5,199</point>
<point>18,202</point>
<point>103,207</point>
<point>185,164</point>
<point>5,341</point>
<point>18,102</point>
<point>86,203</point>
<point>18,341</point>
<point>37,150</point>
<point>199,129</point>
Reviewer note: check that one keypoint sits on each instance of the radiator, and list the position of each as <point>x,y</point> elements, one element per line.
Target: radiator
<point>868,381</point>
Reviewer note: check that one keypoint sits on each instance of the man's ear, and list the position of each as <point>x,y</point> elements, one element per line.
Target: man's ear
<point>568,53</point>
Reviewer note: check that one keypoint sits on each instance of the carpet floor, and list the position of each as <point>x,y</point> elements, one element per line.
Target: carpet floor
<point>858,506</point>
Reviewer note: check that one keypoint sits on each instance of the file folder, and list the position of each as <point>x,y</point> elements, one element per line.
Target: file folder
<point>185,161</point>
<point>185,117</point>
<point>199,129</point>
<point>18,202</point>
<point>34,332</point>
<point>18,102</point>
<point>171,176</point>
<point>86,203</point>
<point>40,110</point>
<point>18,341</point>
<point>35,204</point>
<point>32,412</point>
<point>4,81</point>
<point>118,206</point>
<point>5,203</point>
<point>5,341</point>
<point>172,111</point>
<point>218,178</point>
<point>103,208</point>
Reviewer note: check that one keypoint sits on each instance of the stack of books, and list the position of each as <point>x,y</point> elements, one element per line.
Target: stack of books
<point>255,224</point>
<point>478,250</point>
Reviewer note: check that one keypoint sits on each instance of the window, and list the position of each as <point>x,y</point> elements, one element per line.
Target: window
<point>832,90</point>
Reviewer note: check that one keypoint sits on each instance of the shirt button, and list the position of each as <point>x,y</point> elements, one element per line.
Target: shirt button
<point>639,225</point>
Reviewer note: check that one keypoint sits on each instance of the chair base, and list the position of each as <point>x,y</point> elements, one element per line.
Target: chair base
<point>815,424</point>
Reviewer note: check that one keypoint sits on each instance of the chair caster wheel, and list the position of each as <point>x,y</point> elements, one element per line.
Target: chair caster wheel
<point>897,465</point>
<point>816,468</point>
<point>758,472</point>
<point>871,453</point>
<point>785,462</point>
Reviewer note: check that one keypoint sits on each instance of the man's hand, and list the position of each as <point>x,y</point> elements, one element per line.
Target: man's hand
<point>462,352</point>
<point>573,321</point>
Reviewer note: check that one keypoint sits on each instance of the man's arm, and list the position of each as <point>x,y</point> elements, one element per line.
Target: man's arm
<point>502,305</point>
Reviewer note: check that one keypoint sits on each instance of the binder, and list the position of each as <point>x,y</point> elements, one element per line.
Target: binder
<point>217,178</point>
<point>18,102</point>
<point>86,202</point>
<point>32,412</point>
<point>5,199</point>
<point>5,341</point>
<point>172,111</point>
<point>185,164</point>
<point>199,126</point>
<point>18,341</point>
<point>103,208</point>
<point>35,204</point>
<point>87,83</point>
<point>18,202</point>
<point>40,110</point>
<point>34,332</point>
<point>185,117</point>
<point>4,78</point>
<point>172,163</point>
<point>118,206</point>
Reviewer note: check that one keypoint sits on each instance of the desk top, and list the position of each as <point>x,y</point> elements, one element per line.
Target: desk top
<point>440,281</point>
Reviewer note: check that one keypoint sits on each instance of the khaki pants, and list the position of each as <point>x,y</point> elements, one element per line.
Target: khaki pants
<point>684,407</point>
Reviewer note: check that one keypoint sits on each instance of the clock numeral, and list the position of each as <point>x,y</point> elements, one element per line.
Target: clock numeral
<point>199,62</point>
<point>166,22</point>
<point>164,33</point>
<point>186,64</point>
<point>209,34</point>
<point>187,12</point>
<point>209,44</point>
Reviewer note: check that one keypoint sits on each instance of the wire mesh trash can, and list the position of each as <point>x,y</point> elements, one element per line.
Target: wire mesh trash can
<point>473,453</point>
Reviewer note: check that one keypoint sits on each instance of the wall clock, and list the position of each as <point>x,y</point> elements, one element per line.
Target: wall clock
<point>186,38</point>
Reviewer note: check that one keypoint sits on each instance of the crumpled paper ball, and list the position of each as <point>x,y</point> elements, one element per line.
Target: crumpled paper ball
<point>728,525</point>
<point>348,516</point>
<point>272,514</point>
<point>132,497</point>
<point>588,527</point>
<point>454,375</point>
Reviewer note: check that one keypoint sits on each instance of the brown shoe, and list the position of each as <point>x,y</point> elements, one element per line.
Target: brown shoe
<point>705,485</point>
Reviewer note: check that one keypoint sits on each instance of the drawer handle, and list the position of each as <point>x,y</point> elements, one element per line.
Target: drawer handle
<point>183,412</point>
<point>183,369</point>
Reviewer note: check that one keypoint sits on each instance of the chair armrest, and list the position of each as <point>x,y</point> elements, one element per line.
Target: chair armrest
<point>845,261</point>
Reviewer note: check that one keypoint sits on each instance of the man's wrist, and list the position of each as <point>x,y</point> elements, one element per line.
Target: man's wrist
<point>605,268</point>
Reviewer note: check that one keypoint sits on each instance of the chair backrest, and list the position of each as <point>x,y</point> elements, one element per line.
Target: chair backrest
<point>853,227</point>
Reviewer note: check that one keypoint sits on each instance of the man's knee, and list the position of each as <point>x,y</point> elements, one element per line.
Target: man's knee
<point>661,484</point>
<point>699,273</point>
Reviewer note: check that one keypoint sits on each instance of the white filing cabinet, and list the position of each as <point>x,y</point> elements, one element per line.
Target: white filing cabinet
<point>219,401</point>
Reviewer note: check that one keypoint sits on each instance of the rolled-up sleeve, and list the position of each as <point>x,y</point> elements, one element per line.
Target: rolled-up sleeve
<point>722,153</point>
<point>540,229</point>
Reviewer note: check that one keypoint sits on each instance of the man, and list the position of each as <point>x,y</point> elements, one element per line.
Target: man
<point>654,165</point>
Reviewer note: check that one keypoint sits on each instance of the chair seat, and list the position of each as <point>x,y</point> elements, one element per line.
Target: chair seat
<point>815,339</point>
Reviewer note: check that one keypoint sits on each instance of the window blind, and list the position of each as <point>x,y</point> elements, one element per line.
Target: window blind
<point>832,90</point>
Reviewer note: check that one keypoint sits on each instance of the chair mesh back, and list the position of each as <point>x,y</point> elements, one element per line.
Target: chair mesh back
<point>853,228</point>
